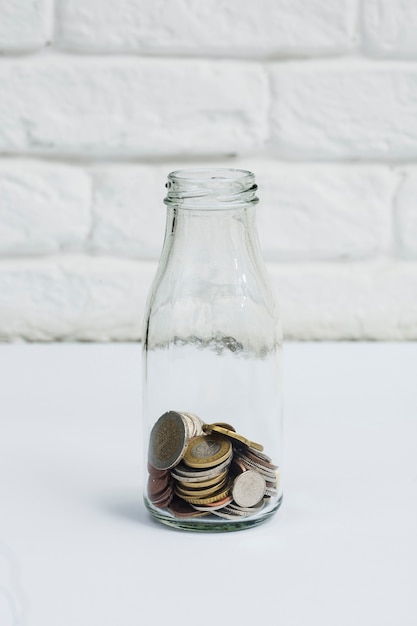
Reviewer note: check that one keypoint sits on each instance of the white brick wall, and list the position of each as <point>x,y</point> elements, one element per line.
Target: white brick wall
<point>99,100</point>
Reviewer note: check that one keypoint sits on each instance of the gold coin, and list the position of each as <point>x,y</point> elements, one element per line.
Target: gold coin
<point>222,424</point>
<point>220,495</point>
<point>202,484</point>
<point>207,451</point>
<point>215,428</point>
<point>200,493</point>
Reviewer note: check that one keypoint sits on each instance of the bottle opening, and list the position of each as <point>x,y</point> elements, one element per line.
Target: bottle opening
<point>211,188</point>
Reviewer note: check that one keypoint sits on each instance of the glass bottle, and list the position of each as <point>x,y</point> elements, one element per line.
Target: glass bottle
<point>212,340</point>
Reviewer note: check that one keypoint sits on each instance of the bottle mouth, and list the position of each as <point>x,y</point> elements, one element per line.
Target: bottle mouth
<point>211,188</point>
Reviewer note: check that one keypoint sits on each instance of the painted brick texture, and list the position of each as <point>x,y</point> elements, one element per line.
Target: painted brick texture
<point>100,100</point>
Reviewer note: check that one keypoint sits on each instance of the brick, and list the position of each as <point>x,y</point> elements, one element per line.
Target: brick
<point>324,211</point>
<point>72,298</point>
<point>355,110</point>
<point>128,107</point>
<point>305,212</point>
<point>44,207</point>
<point>350,301</point>
<point>225,27</point>
<point>25,26</point>
<point>390,27</point>
<point>128,211</point>
<point>101,299</point>
<point>406,214</point>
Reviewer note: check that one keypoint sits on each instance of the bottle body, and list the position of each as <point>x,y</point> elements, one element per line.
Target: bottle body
<point>212,365</point>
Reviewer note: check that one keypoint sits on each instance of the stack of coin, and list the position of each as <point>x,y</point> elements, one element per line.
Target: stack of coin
<point>202,478</point>
<point>194,424</point>
<point>169,438</point>
<point>160,487</point>
<point>255,460</point>
<point>197,469</point>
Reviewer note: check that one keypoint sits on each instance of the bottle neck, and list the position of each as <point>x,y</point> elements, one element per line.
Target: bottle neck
<point>218,242</point>
<point>211,215</point>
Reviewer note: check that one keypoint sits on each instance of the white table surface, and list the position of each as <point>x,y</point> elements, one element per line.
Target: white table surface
<point>77,547</point>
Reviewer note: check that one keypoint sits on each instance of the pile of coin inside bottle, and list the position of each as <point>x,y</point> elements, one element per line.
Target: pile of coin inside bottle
<point>197,469</point>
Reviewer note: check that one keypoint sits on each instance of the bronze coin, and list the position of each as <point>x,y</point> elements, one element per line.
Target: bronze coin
<point>162,504</point>
<point>232,434</point>
<point>160,498</point>
<point>156,473</point>
<point>157,485</point>
<point>215,505</point>
<point>237,467</point>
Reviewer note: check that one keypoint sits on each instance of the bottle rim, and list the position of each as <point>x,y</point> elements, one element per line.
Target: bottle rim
<point>213,188</point>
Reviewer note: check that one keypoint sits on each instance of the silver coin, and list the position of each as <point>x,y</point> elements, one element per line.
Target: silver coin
<point>168,441</point>
<point>189,423</point>
<point>261,455</point>
<point>226,513</point>
<point>269,474</point>
<point>196,421</point>
<point>248,488</point>
<point>247,509</point>
<point>181,472</point>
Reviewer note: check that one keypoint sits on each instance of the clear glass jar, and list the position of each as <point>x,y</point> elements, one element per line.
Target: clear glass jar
<point>212,340</point>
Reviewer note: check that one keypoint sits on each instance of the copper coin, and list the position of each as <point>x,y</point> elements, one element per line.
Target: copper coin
<point>156,473</point>
<point>237,466</point>
<point>161,498</point>
<point>157,485</point>
<point>162,504</point>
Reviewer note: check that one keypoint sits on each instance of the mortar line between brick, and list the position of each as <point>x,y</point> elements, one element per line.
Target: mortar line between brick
<point>105,161</point>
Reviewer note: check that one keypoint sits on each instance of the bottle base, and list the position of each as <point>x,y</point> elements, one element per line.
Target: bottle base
<point>217,526</point>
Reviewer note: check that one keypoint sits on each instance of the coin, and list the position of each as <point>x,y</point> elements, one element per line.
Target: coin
<point>188,484</point>
<point>222,425</point>
<point>237,466</point>
<point>214,506</point>
<point>248,488</point>
<point>248,509</point>
<point>195,422</point>
<point>200,493</point>
<point>156,473</point>
<point>260,460</point>
<point>214,428</point>
<point>269,474</point>
<point>229,513</point>
<point>220,495</point>
<point>182,472</point>
<point>180,508</point>
<point>168,441</point>
<point>162,499</point>
<point>157,485</point>
<point>207,451</point>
